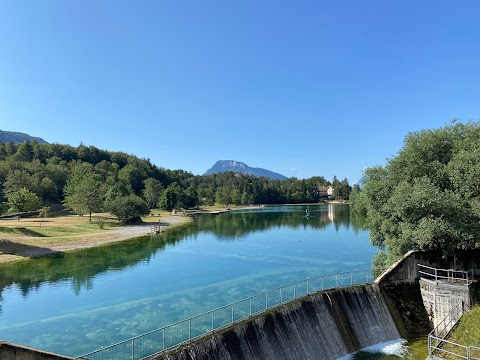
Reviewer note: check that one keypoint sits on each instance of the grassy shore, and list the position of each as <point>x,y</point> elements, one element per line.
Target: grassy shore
<point>32,237</point>
<point>60,232</point>
<point>467,333</point>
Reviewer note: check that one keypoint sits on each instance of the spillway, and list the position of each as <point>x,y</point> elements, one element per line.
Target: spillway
<point>326,325</point>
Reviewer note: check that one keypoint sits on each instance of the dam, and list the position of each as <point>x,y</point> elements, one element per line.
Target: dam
<point>325,324</point>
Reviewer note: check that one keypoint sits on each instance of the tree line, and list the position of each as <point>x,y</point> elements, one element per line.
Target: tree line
<point>87,179</point>
<point>427,197</point>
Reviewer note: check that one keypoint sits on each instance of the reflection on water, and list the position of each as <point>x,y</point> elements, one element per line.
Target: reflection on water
<point>79,301</point>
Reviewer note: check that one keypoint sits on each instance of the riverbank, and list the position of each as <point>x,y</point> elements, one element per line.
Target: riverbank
<point>32,237</point>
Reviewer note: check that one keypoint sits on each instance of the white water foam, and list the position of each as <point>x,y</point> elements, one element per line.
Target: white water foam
<point>396,347</point>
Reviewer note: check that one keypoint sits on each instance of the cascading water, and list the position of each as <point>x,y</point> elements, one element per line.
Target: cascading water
<point>325,325</point>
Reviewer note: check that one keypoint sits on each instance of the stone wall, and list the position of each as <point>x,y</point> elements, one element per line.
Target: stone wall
<point>439,299</point>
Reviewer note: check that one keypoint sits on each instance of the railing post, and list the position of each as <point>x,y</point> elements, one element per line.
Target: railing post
<point>172,342</point>
<point>133,349</point>
<point>189,329</point>
<point>429,347</point>
<point>468,353</point>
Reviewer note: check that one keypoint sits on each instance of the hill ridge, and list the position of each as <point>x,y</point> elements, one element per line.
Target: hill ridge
<point>18,137</point>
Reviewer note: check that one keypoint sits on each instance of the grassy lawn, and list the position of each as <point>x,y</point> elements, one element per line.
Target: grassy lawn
<point>155,216</point>
<point>64,232</point>
<point>57,225</point>
<point>467,333</point>
<point>65,225</point>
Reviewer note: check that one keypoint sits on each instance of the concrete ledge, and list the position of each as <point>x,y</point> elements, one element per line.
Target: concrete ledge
<point>405,270</point>
<point>9,351</point>
<point>394,267</point>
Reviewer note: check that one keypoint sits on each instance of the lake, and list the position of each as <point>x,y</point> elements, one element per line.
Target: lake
<point>83,300</point>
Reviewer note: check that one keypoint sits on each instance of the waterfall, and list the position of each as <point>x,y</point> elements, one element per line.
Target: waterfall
<point>326,325</point>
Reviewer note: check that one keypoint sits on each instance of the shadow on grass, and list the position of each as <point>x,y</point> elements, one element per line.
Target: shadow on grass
<point>14,248</point>
<point>21,231</point>
<point>27,232</point>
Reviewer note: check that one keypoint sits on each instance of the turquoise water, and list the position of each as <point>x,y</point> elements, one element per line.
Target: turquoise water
<point>83,300</point>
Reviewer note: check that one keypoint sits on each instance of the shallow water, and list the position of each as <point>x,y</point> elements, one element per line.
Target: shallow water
<point>83,300</point>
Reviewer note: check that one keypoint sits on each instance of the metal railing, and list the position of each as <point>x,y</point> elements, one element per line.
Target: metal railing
<point>438,337</point>
<point>151,344</point>
<point>447,275</point>
<point>474,352</point>
<point>461,351</point>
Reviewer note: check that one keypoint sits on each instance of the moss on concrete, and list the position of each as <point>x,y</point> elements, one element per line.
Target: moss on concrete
<point>406,306</point>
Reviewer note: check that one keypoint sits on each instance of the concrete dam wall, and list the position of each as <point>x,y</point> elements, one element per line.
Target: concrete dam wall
<point>325,325</point>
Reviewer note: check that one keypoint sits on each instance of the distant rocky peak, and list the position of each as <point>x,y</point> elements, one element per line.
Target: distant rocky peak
<point>240,167</point>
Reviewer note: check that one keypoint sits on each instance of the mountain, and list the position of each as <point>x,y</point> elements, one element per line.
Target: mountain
<point>239,167</point>
<point>18,137</point>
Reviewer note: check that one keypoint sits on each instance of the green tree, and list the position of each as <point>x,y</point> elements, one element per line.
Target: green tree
<point>23,200</point>
<point>24,152</point>
<point>43,213</point>
<point>48,190</point>
<point>223,196</point>
<point>190,197</point>
<point>428,196</point>
<point>3,151</point>
<point>118,189</point>
<point>10,148</point>
<point>152,192</point>
<point>170,197</point>
<point>82,193</point>
<point>236,197</point>
<point>18,179</point>
<point>205,194</point>
<point>3,204</point>
<point>129,208</point>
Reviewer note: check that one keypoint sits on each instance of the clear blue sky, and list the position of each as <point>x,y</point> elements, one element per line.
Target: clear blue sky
<point>302,88</point>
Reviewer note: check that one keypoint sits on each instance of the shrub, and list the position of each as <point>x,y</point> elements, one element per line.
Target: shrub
<point>129,208</point>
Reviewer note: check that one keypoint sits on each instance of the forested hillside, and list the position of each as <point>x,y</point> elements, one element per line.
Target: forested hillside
<point>87,179</point>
